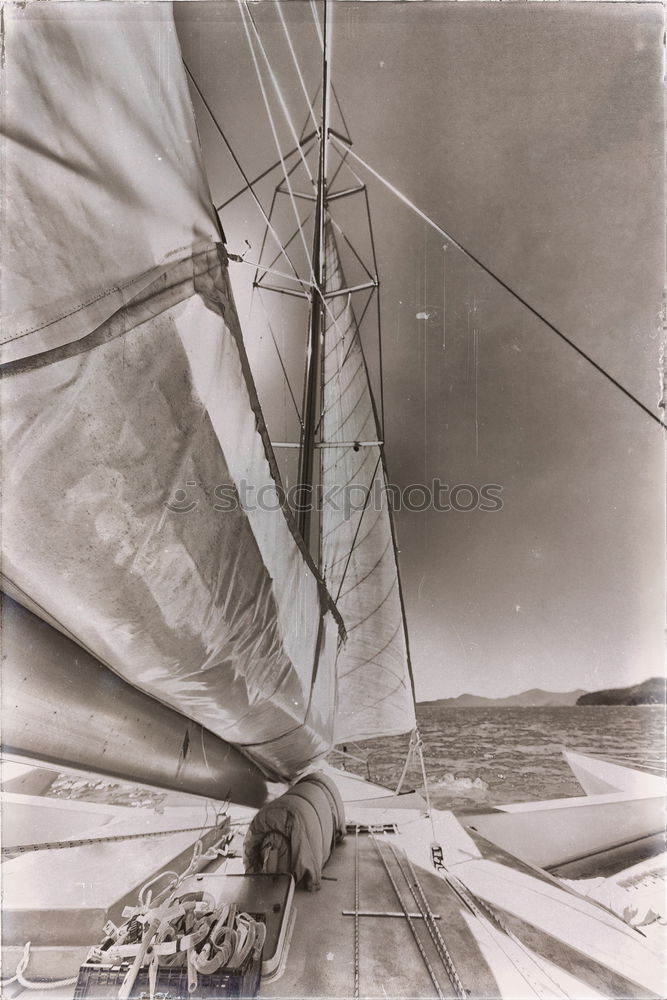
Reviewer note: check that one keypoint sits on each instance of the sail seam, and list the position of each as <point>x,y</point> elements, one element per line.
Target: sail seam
<point>370,659</point>
<point>361,579</point>
<point>375,609</point>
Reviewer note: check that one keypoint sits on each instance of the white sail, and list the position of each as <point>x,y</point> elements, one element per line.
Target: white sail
<point>128,408</point>
<point>358,559</point>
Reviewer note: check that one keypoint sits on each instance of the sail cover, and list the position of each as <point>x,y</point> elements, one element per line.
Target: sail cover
<point>358,555</point>
<point>140,513</point>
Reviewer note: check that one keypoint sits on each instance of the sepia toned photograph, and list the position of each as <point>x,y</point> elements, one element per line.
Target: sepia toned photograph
<point>332,533</point>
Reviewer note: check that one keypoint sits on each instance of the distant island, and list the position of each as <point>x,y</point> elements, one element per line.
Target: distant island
<point>650,692</point>
<point>535,698</point>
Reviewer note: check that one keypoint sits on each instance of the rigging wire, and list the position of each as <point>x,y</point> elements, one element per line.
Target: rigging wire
<point>273,203</point>
<point>241,171</point>
<point>379,312</point>
<point>372,277</point>
<point>381,464</point>
<point>337,373</point>
<point>280,358</point>
<point>444,296</point>
<point>296,64</point>
<point>316,19</point>
<point>271,270</point>
<point>292,237</point>
<point>243,4</point>
<point>470,256</point>
<point>319,292</point>
<point>260,80</point>
<point>278,92</point>
<point>340,112</point>
<point>260,177</point>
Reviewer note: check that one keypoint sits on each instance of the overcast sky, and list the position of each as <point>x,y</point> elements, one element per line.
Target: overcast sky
<point>533,133</point>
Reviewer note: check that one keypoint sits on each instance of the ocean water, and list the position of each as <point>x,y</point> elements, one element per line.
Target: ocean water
<point>474,756</point>
<point>491,756</point>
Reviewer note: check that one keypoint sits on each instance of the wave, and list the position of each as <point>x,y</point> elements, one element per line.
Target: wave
<point>460,786</point>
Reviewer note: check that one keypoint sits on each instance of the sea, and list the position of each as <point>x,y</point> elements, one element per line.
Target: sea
<point>492,756</point>
<point>474,756</point>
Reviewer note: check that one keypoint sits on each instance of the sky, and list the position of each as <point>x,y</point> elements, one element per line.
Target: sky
<point>533,134</point>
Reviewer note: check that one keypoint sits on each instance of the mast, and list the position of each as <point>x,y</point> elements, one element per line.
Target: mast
<point>312,376</point>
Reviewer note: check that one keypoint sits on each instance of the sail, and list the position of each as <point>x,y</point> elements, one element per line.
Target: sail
<point>140,512</point>
<point>358,558</point>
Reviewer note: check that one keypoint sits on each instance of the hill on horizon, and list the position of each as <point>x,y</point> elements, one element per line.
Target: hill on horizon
<point>650,692</point>
<point>534,698</point>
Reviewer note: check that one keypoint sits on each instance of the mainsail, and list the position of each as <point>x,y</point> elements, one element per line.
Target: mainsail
<point>135,451</point>
<point>130,421</point>
<point>358,557</point>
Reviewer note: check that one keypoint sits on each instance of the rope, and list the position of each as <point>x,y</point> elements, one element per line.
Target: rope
<point>198,855</point>
<point>427,794</point>
<point>470,256</point>
<point>417,747</point>
<point>187,930</point>
<point>28,984</point>
<point>408,757</point>
<point>159,916</point>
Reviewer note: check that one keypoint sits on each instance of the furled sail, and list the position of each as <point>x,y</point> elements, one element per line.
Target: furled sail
<point>358,558</point>
<point>131,431</point>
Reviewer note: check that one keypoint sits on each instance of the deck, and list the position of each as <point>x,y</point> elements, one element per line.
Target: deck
<point>501,927</point>
<point>389,962</point>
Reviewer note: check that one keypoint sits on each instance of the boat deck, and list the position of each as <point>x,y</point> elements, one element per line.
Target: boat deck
<point>503,927</point>
<point>325,961</point>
